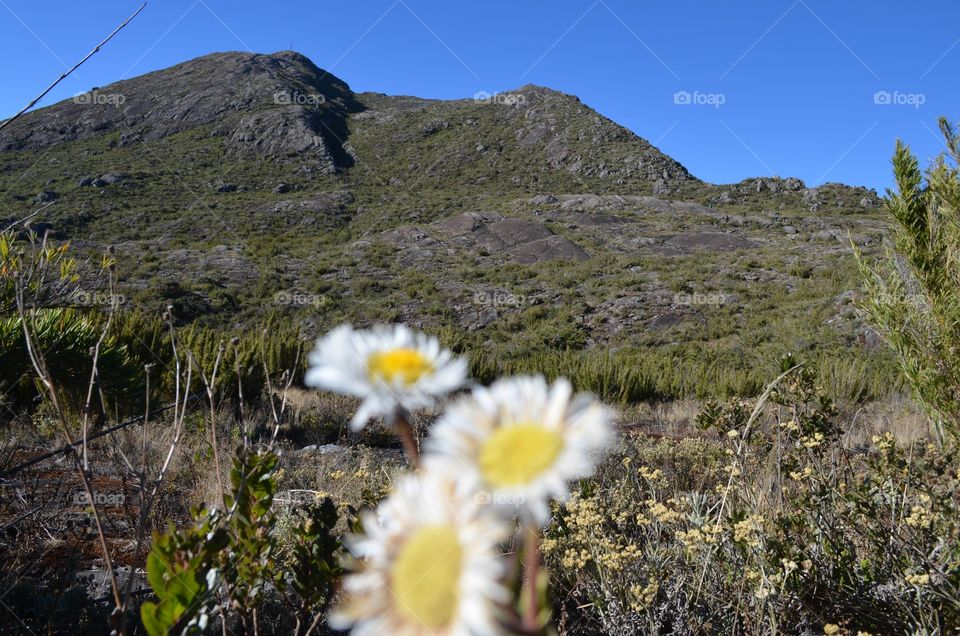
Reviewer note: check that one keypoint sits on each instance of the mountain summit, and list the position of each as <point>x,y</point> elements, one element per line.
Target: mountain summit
<point>232,178</point>
<point>278,105</point>
<point>282,106</point>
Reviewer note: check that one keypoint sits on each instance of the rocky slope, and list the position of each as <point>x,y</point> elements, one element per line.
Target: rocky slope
<point>236,184</point>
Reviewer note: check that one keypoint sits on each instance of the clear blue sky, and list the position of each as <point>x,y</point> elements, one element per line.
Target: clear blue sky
<point>796,78</point>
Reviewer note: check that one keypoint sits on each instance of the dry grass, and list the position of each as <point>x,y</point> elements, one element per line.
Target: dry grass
<point>898,415</point>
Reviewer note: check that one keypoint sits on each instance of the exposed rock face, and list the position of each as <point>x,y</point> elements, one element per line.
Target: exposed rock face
<point>113,177</point>
<point>276,105</point>
<point>522,241</point>
<point>523,137</point>
<point>241,175</point>
<point>550,248</point>
<point>707,241</point>
<point>513,232</point>
<point>787,191</point>
<point>598,219</point>
<point>467,222</point>
<point>284,132</point>
<point>576,139</point>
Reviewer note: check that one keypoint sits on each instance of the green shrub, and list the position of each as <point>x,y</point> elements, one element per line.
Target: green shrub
<point>913,298</point>
<point>244,355</point>
<point>239,549</point>
<point>772,526</point>
<point>65,337</point>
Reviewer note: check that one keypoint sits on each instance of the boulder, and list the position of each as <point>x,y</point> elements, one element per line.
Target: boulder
<point>112,177</point>
<point>547,249</point>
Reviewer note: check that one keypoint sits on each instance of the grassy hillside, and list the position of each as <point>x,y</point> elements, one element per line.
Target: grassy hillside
<point>525,223</point>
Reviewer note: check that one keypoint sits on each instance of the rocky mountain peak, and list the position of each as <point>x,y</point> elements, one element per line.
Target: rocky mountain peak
<point>280,105</point>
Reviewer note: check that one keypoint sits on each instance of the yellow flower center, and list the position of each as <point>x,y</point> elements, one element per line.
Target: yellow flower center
<point>404,364</point>
<point>426,576</point>
<point>516,455</point>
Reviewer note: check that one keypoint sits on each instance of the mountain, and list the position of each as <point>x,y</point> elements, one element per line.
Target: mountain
<point>235,94</point>
<point>237,184</point>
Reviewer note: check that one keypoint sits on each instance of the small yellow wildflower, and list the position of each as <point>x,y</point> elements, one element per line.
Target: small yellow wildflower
<point>746,531</point>
<point>919,518</point>
<point>663,514</point>
<point>885,441</point>
<point>812,441</point>
<point>763,592</point>
<point>918,580</point>
<point>650,475</point>
<point>643,596</point>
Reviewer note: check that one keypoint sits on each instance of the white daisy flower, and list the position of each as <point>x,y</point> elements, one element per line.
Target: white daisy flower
<point>390,367</point>
<point>519,442</point>
<point>430,564</point>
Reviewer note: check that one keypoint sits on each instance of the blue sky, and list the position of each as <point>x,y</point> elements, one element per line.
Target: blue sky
<point>787,87</point>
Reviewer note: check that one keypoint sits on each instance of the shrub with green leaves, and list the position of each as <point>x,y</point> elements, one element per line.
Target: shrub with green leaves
<point>913,297</point>
<point>771,525</point>
<point>246,360</point>
<point>38,284</point>
<point>232,560</point>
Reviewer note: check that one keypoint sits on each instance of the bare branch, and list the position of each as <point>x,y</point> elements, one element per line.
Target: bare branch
<point>28,217</point>
<point>65,74</point>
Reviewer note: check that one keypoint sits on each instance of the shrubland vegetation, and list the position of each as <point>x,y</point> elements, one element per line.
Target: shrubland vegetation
<point>771,516</point>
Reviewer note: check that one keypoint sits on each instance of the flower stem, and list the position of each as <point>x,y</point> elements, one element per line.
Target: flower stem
<point>401,422</point>
<point>531,557</point>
